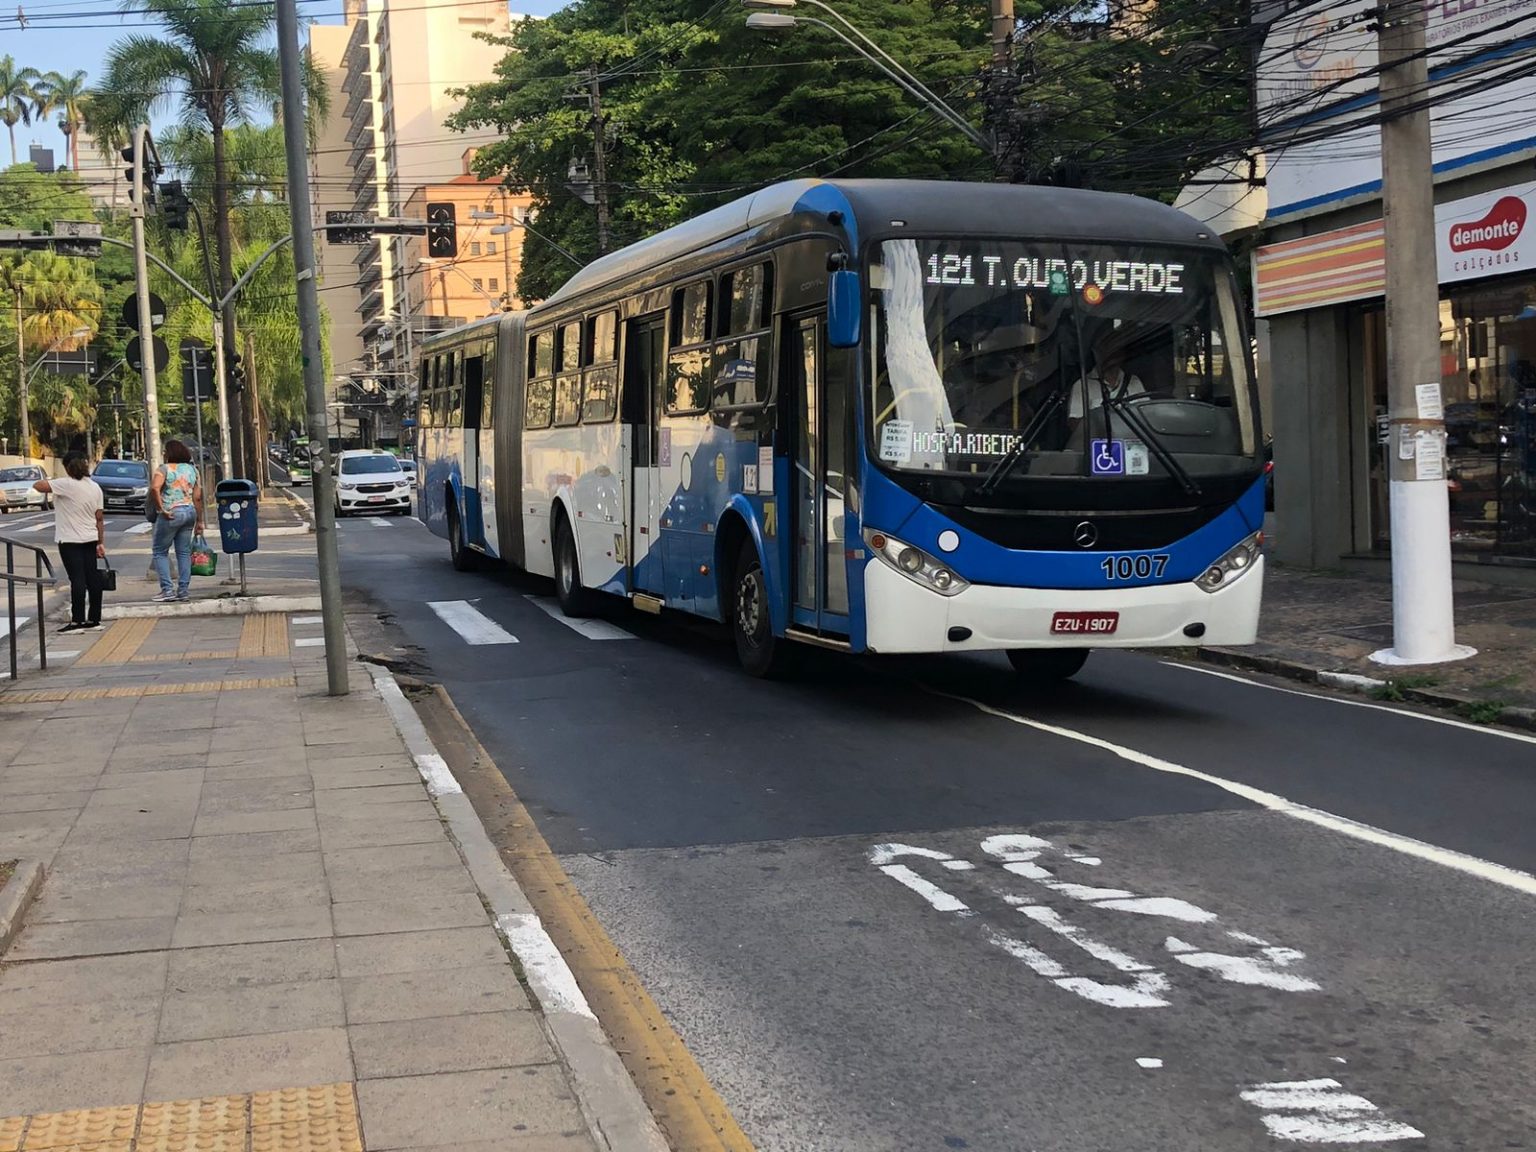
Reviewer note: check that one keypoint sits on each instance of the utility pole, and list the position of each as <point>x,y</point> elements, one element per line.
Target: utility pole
<point>600,163</point>
<point>137,209</point>
<point>258,419</point>
<point>309,335</point>
<point>1423,618</point>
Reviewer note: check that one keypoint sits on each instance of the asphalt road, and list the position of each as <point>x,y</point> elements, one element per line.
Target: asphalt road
<point>909,905</point>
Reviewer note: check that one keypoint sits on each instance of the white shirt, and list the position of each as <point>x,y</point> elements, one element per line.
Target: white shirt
<point>75,503</point>
<point>1134,387</point>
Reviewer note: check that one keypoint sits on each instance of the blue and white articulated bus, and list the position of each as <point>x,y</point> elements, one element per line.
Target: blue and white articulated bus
<point>875,416</point>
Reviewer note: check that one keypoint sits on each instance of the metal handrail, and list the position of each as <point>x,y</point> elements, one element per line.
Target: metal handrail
<point>13,578</point>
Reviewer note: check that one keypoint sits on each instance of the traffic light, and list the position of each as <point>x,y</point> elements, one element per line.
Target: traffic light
<point>141,178</point>
<point>234,371</point>
<point>442,231</point>
<point>174,205</point>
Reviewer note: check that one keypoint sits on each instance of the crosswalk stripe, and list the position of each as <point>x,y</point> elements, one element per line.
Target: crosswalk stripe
<point>145,526</point>
<point>591,629</point>
<point>470,623</point>
<point>43,527</point>
<point>21,622</point>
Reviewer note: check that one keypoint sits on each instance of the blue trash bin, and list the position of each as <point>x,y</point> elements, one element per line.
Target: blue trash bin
<point>237,515</point>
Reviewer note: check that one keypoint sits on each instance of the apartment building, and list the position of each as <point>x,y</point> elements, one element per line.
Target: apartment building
<point>101,171</point>
<point>389,67</point>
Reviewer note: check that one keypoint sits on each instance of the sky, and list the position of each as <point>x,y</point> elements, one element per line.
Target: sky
<point>82,38</point>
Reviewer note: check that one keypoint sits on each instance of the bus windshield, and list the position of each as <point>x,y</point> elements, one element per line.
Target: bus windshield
<point>1008,360</point>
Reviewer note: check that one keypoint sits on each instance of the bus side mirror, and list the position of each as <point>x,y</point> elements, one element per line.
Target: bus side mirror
<point>844,309</point>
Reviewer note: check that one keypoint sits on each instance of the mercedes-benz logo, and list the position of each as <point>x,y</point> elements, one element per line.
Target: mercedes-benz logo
<point>1085,535</point>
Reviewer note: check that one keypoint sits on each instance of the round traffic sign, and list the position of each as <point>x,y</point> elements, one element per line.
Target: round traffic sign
<point>135,358</point>
<point>131,312</point>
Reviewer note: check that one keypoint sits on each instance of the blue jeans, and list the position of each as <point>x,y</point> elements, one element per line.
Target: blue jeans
<point>178,531</point>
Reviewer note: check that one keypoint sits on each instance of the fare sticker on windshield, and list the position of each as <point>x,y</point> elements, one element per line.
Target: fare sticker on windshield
<point>1105,277</point>
<point>896,441</point>
<point>1136,461</point>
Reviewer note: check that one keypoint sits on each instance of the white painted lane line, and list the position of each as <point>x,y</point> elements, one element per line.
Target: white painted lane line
<point>1149,1062</point>
<point>43,527</point>
<point>139,528</point>
<point>1432,719</point>
<point>591,629</point>
<point>307,621</point>
<point>474,626</point>
<point>378,522</point>
<point>21,622</point>
<point>309,641</point>
<point>1406,845</point>
<point>1323,1112</point>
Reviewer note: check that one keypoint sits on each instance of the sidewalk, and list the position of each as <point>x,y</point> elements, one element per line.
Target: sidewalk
<point>1323,626</point>
<point>265,922</point>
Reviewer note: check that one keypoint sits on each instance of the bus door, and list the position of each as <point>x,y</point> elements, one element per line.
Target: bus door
<point>472,367</point>
<point>644,378</point>
<point>485,452</point>
<point>816,405</point>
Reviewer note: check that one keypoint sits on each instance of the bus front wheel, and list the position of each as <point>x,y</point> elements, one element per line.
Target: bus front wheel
<point>762,654</point>
<point>463,558</point>
<point>1044,665</point>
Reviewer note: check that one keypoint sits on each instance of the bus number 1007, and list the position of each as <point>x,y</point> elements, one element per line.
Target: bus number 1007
<point>1134,567</point>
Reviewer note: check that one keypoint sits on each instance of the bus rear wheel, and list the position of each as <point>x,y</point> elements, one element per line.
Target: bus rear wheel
<point>463,558</point>
<point>762,654</point>
<point>576,601</point>
<point>1044,665</point>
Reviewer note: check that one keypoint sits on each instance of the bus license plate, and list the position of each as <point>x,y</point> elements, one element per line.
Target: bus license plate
<point>1084,623</point>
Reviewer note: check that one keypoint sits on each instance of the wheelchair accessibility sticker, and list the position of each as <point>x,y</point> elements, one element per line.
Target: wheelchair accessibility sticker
<point>1108,457</point>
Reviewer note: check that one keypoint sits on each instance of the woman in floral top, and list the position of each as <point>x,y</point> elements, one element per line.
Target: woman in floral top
<point>177,494</point>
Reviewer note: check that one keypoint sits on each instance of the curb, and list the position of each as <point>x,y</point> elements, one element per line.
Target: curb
<point>615,1111</point>
<point>18,893</point>
<point>223,606</point>
<point>300,508</point>
<point>1509,716</point>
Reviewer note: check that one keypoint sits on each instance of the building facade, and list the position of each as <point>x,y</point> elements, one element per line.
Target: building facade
<point>1319,278</point>
<point>389,67</point>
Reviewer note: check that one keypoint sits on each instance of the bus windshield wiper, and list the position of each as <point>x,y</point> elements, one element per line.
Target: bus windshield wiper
<point>1026,438</point>
<point>1127,413</point>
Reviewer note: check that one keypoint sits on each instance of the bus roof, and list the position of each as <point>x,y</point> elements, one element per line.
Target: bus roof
<point>924,207</point>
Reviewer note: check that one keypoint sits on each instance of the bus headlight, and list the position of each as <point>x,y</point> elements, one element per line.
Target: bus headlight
<point>1237,560</point>
<point>915,564</point>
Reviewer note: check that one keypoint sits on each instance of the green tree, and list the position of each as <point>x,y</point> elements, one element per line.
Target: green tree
<point>64,95</point>
<point>213,62</point>
<point>18,97</point>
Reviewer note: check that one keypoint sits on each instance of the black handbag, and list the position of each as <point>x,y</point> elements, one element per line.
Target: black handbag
<point>106,575</point>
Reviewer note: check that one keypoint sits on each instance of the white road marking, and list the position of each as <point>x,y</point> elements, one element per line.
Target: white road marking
<point>307,621</point>
<point>43,527</point>
<point>309,641</point>
<point>474,626</point>
<point>1405,845</point>
<point>1481,729</point>
<point>21,622</point>
<point>435,771</point>
<point>139,528</point>
<point>378,522</point>
<point>1149,1062</point>
<point>591,629</point>
<point>1323,1112</point>
<point>547,970</point>
<point>1246,969</point>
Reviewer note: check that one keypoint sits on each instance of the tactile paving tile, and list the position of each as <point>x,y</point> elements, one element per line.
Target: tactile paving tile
<point>293,1105</point>
<point>321,1134</point>
<point>10,1132</point>
<point>176,1119</point>
<point>102,1146</point>
<point>81,1126</point>
<point>233,1141</point>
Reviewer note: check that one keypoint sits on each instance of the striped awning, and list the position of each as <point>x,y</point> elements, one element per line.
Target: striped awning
<point>1315,271</point>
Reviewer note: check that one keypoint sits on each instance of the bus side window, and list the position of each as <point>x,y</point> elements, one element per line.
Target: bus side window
<point>742,363</point>
<point>602,377</point>
<point>568,382</point>
<point>454,366</point>
<point>488,386</point>
<point>438,415</point>
<point>474,401</point>
<point>689,358</point>
<point>539,402</point>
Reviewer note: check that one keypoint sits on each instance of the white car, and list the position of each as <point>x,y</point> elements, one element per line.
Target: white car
<point>371,480</point>
<point>16,489</point>
<point>410,470</point>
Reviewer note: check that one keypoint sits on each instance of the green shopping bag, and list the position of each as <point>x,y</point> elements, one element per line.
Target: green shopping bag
<point>205,561</point>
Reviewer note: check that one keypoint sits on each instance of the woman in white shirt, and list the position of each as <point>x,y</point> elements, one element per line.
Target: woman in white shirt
<point>80,530</point>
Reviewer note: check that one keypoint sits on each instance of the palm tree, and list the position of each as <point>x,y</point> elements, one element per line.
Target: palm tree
<point>212,61</point>
<point>17,97</point>
<point>65,94</point>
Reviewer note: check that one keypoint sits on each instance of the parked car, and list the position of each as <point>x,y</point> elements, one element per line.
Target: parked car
<point>124,484</point>
<point>16,489</point>
<point>371,480</point>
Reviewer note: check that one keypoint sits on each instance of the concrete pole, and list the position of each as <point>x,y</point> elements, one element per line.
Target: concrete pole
<point>221,390</point>
<point>309,334</point>
<point>1423,623</point>
<point>22,381</point>
<point>137,207</point>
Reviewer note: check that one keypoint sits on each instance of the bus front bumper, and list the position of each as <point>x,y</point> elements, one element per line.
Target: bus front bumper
<point>903,616</point>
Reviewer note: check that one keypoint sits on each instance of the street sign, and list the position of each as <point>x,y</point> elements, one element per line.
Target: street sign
<point>135,358</point>
<point>80,362</point>
<point>77,237</point>
<point>349,228</point>
<point>156,316</point>
<point>196,371</point>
